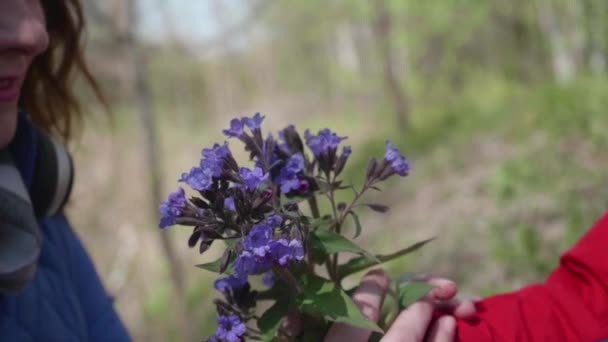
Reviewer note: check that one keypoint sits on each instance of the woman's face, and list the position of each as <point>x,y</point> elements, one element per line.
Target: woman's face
<point>22,37</point>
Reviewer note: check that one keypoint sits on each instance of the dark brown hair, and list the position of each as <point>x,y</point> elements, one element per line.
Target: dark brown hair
<point>48,91</point>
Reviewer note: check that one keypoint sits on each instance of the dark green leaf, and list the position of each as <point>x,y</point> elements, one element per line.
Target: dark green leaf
<point>324,298</point>
<point>270,321</point>
<point>411,292</point>
<point>381,208</point>
<point>359,264</point>
<point>358,227</point>
<point>329,242</point>
<point>215,266</point>
<point>322,222</point>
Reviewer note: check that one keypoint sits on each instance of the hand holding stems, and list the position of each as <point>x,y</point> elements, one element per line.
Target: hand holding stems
<point>412,324</point>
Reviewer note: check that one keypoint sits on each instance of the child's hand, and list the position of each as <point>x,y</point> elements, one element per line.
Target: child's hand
<point>413,323</point>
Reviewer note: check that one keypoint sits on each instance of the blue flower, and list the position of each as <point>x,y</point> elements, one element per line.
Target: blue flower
<point>230,328</point>
<point>396,160</point>
<point>258,239</point>
<point>261,251</point>
<point>288,177</point>
<point>229,203</point>
<point>253,123</point>
<point>235,130</point>
<point>198,179</point>
<point>172,208</point>
<point>346,151</point>
<point>229,283</point>
<point>274,221</point>
<point>325,141</point>
<point>268,279</point>
<point>217,152</point>
<point>254,178</point>
<point>295,164</point>
<point>211,166</point>
<point>213,161</point>
<point>248,264</point>
<point>289,184</point>
<point>284,251</point>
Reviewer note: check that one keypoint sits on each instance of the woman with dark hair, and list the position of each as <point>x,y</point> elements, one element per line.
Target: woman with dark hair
<point>49,289</point>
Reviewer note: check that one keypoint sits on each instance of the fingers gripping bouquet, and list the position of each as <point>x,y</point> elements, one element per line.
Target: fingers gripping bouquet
<point>260,213</point>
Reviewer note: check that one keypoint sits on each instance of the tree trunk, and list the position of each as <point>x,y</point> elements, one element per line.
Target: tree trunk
<point>382,31</point>
<point>145,110</point>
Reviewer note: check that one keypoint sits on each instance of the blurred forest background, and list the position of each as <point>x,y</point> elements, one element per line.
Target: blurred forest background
<point>500,105</point>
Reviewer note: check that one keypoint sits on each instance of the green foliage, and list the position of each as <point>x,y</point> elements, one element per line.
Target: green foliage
<point>270,321</point>
<point>325,298</point>
<point>213,266</point>
<point>411,292</point>
<point>327,242</point>
<point>361,263</point>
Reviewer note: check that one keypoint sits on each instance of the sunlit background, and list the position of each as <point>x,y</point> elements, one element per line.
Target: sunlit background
<point>500,105</point>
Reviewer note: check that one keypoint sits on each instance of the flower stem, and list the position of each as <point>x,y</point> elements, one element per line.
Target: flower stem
<point>288,278</point>
<point>314,207</point>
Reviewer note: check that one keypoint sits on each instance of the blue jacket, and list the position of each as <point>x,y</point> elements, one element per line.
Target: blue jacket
<point>66,301</point>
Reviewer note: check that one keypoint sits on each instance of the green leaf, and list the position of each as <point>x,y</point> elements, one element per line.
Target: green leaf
<point>324,298</point>
<point>381,208</point>
<point>411,292</point>
<point>329,242</point>
<point>270,321</point>
<point>357,224</point>
<point>359,264</point>
<point>215,266</point>
<point>321,222</point>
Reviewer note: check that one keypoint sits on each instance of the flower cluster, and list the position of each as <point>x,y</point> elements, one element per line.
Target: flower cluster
<point>230,328</point>
<point>255,210</point>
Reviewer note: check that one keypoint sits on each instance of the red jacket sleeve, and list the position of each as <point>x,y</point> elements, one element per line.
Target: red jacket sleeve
<point>572,305</point>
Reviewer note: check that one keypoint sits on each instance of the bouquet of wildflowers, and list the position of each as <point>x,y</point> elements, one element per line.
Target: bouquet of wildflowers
<point>269,220</point>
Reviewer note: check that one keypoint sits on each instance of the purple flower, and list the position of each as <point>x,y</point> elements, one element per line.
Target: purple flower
<point>229,203</point>
<point>247,264</point>
<point>217,152</point>
<point>295,164</point>
<point>198,179</point>
<point>268,279</point>
<point>304,186</point>
<point>230,328</point>
<point>325,141</point>
<point>212,165</point>
<point>284,251</point>
<point>253,123</point>
<point>172,208</point>
<point>290,184</point>
<point>346,151</point>
<point>213,161</point>
<point>258,239</point>
<point>396,160</point>
<point>235,130</point>
<point>254,178</point>
<point>274,221</point>
<point>288,177</point>
<point>231,282</point>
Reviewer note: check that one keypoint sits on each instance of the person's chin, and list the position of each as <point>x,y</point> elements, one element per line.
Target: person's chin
<point>8,124</point>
